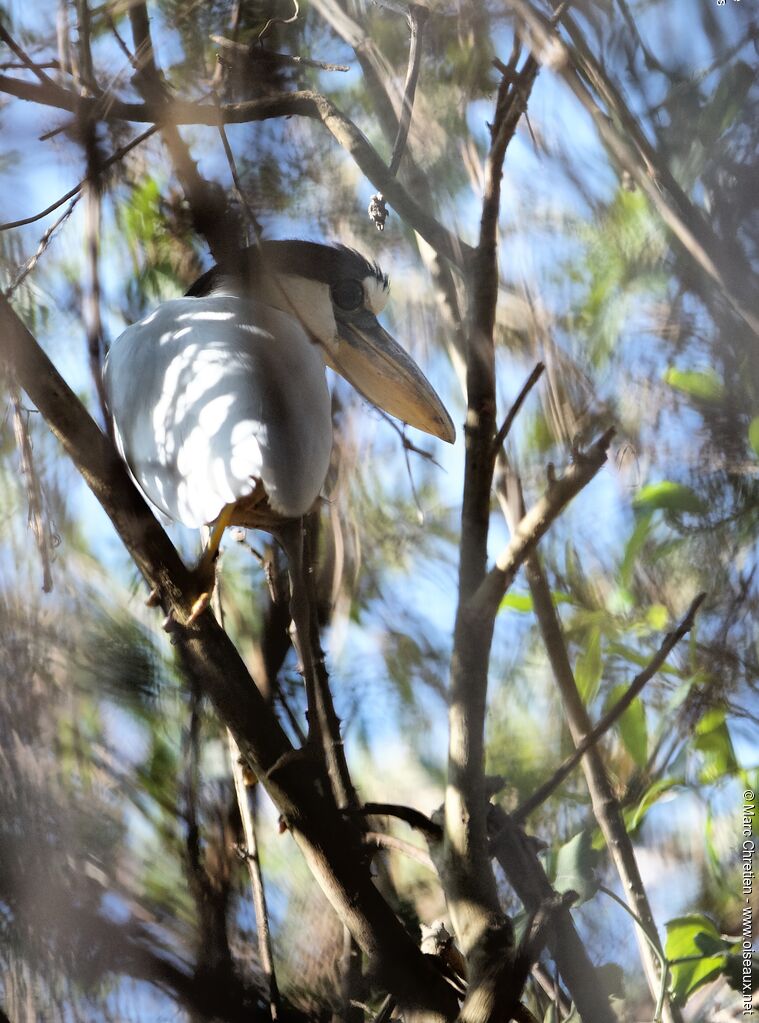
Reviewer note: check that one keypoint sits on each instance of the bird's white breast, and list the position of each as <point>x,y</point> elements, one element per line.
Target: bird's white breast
<point>209,395</point>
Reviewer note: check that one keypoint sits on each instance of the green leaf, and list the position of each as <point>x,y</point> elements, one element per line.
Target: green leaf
<point>632,726</point>
<point>753,434</point>
<point>522,602</point>
<point>693,935</point>
<point>652,795</point>
<point>712,740</point>
<point>634,546</point>
<point>657,617</point>
<point>703,386</point>
<point>589,666</point>
<point>668,495</point>
<point>575,867</point>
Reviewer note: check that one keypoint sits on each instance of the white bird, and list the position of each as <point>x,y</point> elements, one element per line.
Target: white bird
<point>219,399</point>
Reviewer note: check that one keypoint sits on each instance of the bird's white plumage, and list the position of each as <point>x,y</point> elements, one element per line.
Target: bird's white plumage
<point>210,395</point>
<point>375,294</point>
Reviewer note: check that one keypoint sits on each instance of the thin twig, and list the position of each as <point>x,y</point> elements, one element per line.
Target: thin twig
<point>611,716</point>
<point>24,57</point>
<point>263,929</point>
<point>48,65</point>
<point>243,52</point>
<point>44,241</point>
<point>605,806</point>
<point>279,21</point>
<point>108,162</point>
<point>242,199</point>
<point>417,16</point>
<point>383,841</point>
<point>503,433</point>
<point>34,495</point>
<point>535,524</point>
<point>414,818</point>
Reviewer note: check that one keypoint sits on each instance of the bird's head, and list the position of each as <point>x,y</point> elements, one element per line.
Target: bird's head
<point>336,294</point>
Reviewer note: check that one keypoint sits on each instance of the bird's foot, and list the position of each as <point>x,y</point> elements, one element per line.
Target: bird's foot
<point>154,597</point>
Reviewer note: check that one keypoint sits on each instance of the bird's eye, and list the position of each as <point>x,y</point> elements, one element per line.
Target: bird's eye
<point>348,295</point>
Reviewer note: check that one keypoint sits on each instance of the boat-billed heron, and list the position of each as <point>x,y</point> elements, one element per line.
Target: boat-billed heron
<point>219,399</point>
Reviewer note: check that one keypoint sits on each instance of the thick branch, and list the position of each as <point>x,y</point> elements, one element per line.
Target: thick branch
<point>484,933</point>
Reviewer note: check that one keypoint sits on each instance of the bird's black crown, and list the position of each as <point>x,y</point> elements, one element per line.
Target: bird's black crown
<point>329,264</point>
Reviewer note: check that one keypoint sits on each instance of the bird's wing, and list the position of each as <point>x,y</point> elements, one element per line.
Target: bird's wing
<point>210,394</point>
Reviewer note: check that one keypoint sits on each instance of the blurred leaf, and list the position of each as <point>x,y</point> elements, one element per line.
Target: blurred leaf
<point>634,546</point>
<point>727,101</point>
<point>632,726</point>
<point>575,867</point>
<point>693,935</point>
<point>712,740</point>
<point>657,617</point>
<point>652,795</point>
<point>522,602</point>
<point>753,434</point>
<point>701,385</point>
<point>668,495</point>
<point>589,666</point>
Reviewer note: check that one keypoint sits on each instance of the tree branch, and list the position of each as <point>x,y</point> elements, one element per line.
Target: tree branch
<point>244,54</point>
<point>383,841</point>
<point>119,154</point>
<point>414,818</point>
<point>516,854</point>
<point>263,930</point>
<point>294,104</point>
<point>513,412</point>
<point>611,717</point>
<point>534,525</point>
<point>417,16</point>
<point>605,806</point>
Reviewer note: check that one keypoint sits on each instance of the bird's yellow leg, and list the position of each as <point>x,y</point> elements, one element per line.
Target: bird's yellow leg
<point>205,571</point>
